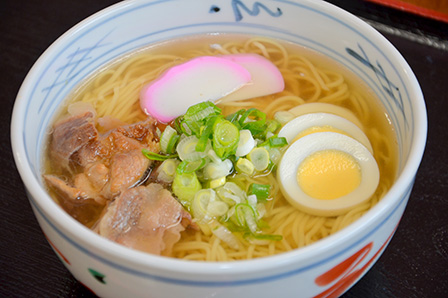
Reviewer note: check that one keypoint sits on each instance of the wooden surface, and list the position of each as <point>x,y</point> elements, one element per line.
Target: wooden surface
<point>415,264</point>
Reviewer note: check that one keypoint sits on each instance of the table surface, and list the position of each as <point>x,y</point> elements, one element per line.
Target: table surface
<point>415,264</point>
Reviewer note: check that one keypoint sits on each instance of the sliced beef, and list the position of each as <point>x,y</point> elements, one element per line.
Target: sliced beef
<point>64,189</point>
<point>141,131</point>
<point>147,218</point>
<point>71,134</point>
<point>120,140</point>
<point>98,174</point>
<point>127,169</point>
<point>106,164</point>
<point>122,156</point>
<point>100,149</point>
<point>77,192</point>
<point>102,188</point>
<point>76,201</point>
<point>82,181</point>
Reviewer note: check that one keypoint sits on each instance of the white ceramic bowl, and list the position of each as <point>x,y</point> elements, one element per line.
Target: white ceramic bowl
<point>112,270</point>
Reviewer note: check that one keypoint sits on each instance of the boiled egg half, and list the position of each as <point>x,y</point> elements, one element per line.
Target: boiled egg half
<point>327,168</point>
<point>320,122</point>
<point>322,107</point>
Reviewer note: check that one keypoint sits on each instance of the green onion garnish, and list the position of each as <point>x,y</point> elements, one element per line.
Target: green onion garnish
<point>185,186</point>
<point>201,111</point>
<point>253,120</point>
<point>260,190</point>
<point>275,142</point>
<point>225,138</point>
<point>206,133</point>
<point>272,126</point>
<point>168,140</point>
<point>192,166</point>
<point>234,118</point>
<point>155,156</point>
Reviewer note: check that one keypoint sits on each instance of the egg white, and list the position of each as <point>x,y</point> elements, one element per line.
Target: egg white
<point>294,127</point>
<point>321,141</point>
<point>321,107</point>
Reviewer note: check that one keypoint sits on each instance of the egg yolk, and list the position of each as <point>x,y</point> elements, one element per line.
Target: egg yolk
<point>329,174</point>
<point>324,128</point>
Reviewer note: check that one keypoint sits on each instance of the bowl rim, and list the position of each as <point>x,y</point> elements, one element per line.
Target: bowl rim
<point>69,227</point>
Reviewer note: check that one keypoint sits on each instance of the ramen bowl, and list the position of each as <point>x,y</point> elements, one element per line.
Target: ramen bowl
<point>326,268</point>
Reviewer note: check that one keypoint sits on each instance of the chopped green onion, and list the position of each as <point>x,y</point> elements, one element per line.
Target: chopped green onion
<point>253,120</point>
<point>177,123</point>
<point>260,158</point>
<point>168,140</point>
<point>201,111</point>
<point>212,155</point>
<point>155,156</point>
<point>225,138</point>
<point>231,193</point>
<point>205,207</point>
<point>191,127</point>
<point>185,186</point>
<point>246,216</point>
<point>272,126</point>
<point>167,170</point>
<point>275,154</point>
<point>245,166</point>
<point>225,133</point>
<point>217,208</point>
<point>235,117</point>
<point>226,236</point>
<point>251,115</point>
<point>260,190</point>
<point>217,170</point>
<point>246,143</point>
<point>192,166</point>
<point>200,203</point>
<point>206,133</point>
<point>276,141</point>
<point>235,189</point>
<point>256,128</point>
<point>172,143</point>
<point>215,183</point>
<point>207,145</point>
<point>251,221</point>
<point>186,148</point>
<point>252,200</point>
